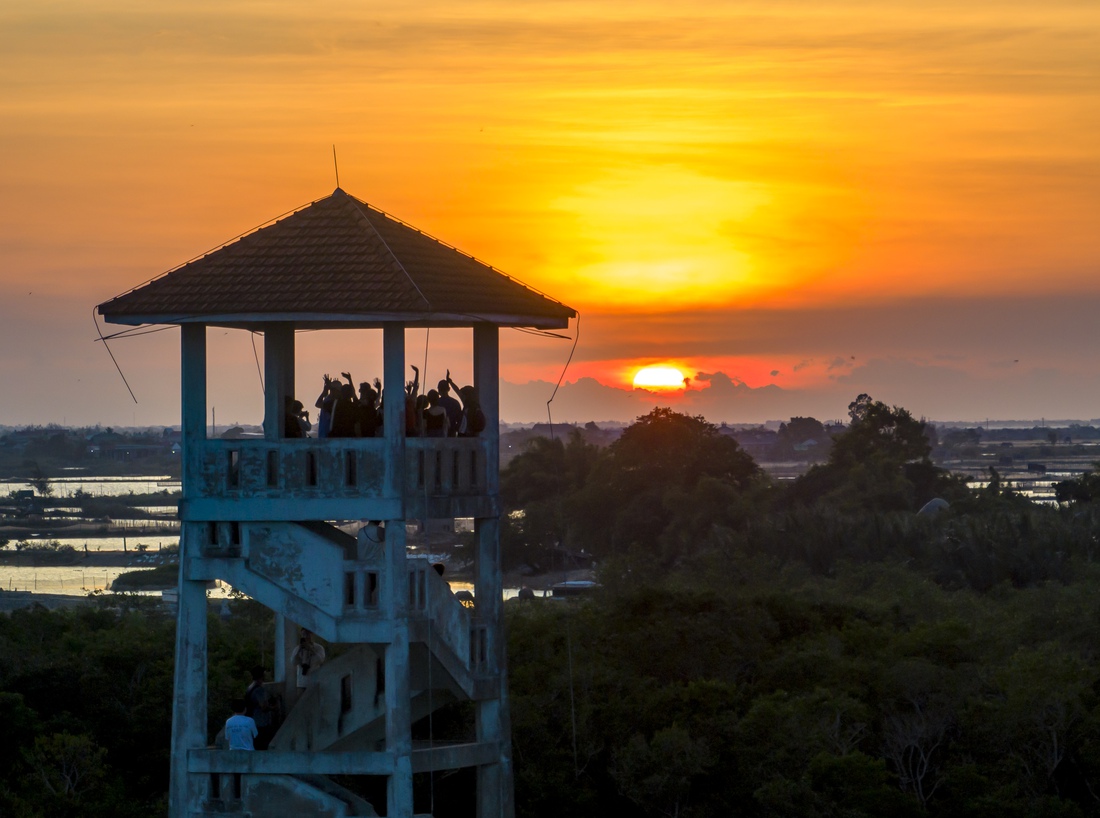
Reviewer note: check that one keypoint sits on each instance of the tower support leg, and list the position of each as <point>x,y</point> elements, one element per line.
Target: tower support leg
<point>186,792</point>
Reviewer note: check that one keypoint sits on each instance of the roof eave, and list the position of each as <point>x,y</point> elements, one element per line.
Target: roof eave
<point>305,320</point>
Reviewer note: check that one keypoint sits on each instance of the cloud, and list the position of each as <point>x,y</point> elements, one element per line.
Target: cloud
<point>720,381</point>
<point>943,392</point>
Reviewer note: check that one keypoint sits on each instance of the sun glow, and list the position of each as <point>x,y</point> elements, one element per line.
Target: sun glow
<point>659,377</point>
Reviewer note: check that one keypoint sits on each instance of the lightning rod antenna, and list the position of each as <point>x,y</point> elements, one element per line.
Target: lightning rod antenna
<point>335,166</point>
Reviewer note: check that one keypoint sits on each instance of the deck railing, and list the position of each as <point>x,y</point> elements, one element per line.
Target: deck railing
<point>336,468</point>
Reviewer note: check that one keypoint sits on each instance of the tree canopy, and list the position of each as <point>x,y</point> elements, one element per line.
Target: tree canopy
<point>666,471</point>
<point>881,461</point>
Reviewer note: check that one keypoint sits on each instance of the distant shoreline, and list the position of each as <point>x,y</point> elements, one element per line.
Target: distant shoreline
<point>88,530</point>
<point>92,559</point>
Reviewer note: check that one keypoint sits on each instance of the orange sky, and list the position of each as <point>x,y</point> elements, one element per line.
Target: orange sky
<point>733,188</point>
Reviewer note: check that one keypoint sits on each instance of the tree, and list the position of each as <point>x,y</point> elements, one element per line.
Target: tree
<point>642,482</point>
<point>1083,489</point>
<point>880,462</point>
<point>536,487</point>
<point>40,482</point>
<point>802,435</point>
<point>878,430</point>
<point>657,775</point>
<point>68,766</point>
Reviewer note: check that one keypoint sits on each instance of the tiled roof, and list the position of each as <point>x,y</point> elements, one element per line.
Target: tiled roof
<point>338,259</point>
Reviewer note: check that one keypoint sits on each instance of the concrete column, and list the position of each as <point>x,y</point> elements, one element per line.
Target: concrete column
<point>399,792</point>
<point>394,585</point>
<point>393,388</point>
<point>278,376</point>
<point>286,640</point>
<point>487,381</point>
<point>189,684</point>
<point>490,778</point>
<point>193,411</point>
<point>488,585</point>
<point>494,781</point>
<point>189,688</point>
<point>487,578</point>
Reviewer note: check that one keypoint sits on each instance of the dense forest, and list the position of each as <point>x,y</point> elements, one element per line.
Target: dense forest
<point>821,647</point>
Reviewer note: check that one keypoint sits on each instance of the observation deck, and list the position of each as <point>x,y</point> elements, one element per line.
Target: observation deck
<point>339,479</point>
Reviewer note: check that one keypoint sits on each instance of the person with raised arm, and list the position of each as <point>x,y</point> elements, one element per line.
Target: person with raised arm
<point>473,419</point>
<point>324,403</point>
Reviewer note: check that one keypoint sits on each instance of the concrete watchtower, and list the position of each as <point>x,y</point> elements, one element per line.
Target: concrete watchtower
<point>261,515</point>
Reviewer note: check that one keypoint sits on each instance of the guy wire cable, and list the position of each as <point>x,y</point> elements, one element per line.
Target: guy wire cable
<point>256,355</point>
<point>105,346</point>
<point>393,255</point>
<point>135,332</point>
<point>427,338</point>
<point>576,338</point>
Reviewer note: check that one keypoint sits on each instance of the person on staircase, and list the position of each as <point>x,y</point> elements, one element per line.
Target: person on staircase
<point>240,730</point>
<point>307,658</point>
<point>262,708</point>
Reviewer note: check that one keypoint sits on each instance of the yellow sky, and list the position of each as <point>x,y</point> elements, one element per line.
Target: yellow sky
<point>630,158</point>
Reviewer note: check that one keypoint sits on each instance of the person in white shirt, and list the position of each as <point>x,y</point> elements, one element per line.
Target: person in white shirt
<point>240,730</point>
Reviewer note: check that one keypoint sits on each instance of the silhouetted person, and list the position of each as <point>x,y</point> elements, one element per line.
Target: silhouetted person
<point>307,658</point>
<point>324,404</point>
<point>344,412</point>
<point>261,708</point>
<point>436,423</point>
<point>412,422</point>
<point>367,410</point>
<point>451,406</point>
<point>473,419</point>
<point>296,419</point>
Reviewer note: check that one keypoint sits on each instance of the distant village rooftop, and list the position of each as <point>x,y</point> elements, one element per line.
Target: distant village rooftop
<point>337,261</point>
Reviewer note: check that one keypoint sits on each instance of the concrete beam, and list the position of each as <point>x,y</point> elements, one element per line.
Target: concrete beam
<point>455,756</point>
<point>289,509</point>
<point>285,762</point>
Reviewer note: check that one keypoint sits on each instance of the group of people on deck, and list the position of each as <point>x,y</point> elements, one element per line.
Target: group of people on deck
<point>343,413</point>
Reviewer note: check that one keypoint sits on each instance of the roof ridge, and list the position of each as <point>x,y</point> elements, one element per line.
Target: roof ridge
<point>450,246</point>
<point>361,215</point>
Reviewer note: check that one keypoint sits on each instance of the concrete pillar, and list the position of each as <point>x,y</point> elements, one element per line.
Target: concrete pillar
<point>193,410</point>
<point>286,640</point>
<point>399,792</point>
<point>393,409</point>
<point>278,376</point>
<point>189,699</point>
<point>278,384</point>
<point>494,781</point>
<point>487,381</point>
<point>394,585</point>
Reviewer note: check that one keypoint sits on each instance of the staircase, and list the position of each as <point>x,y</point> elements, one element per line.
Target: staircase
<point>344,708</point>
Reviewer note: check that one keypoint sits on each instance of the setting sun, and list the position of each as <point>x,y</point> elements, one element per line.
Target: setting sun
<point>659,377</point>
